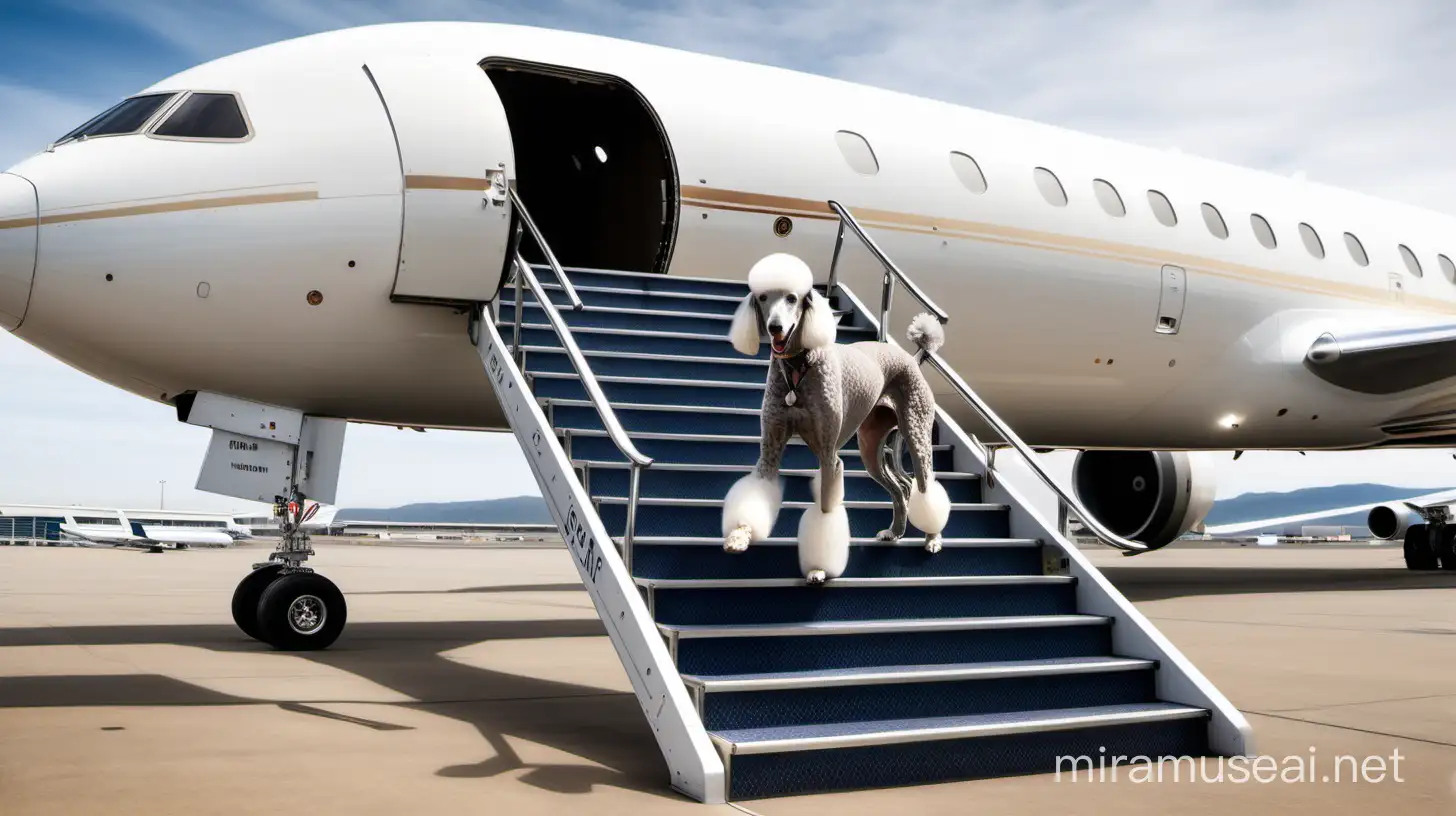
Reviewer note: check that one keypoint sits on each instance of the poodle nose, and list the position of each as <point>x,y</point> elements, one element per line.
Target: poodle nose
<point>776,329</point>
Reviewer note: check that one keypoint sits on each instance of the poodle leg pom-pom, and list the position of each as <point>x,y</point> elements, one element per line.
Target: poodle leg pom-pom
<point>823,543</point>
<point>929,511</point>
<point>749,511</point>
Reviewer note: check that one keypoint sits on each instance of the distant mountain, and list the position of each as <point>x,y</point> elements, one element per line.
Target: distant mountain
<point>514,510</point>
<point>1256,506</point>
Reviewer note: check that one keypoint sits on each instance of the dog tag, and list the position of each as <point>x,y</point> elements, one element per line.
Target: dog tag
<point>791,398</point>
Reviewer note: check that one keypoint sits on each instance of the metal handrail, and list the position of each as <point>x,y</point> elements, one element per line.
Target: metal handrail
<point>551,261</point>
<point>892,272</point>
<point>1067,498</point>
<point>618,434</point>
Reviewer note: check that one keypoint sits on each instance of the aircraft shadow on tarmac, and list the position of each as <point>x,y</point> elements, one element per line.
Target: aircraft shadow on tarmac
<point>604,728</point>
<point>1161,583</point>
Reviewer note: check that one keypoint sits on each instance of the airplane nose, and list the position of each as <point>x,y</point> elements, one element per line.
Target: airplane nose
<point>19,227</point>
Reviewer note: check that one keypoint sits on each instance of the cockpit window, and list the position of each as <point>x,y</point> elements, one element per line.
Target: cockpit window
<point>127,116</point>
<point>205,116</point>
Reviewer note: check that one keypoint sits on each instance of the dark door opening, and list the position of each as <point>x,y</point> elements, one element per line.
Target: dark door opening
<point>593,166</point>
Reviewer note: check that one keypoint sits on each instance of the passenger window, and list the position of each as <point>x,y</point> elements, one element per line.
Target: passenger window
<point>1213,219</point>
<point>1412,265</point>
<point>857,152</point>
<point>1357,250</point>
<point>1263,231</point>
<point>127,116</point>
<point>1312,241</point>
<point>1162,209</point>
<point>1109,199</point>
<point>205,116</point>
<point>1447,268</point>
<point>1050,187</point>
<point>968,172</point>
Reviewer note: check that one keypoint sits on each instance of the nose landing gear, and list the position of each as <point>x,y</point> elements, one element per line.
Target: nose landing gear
<point>284,603</point>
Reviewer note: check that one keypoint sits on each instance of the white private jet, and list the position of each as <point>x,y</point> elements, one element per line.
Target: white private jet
<point>325,230</point>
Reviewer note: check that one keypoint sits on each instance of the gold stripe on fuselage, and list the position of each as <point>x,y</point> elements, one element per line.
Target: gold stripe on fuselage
<point>478,185</point>
<point>740,201</point>
<point>162,207</point>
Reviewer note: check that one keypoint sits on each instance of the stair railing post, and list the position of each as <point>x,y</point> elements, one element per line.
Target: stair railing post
<point>631,531</point>
<point>520,308</point>
<point>887,295</point>
<point>834,262</point>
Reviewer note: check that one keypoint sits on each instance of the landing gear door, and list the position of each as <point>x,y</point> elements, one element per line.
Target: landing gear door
<point>455,157</point>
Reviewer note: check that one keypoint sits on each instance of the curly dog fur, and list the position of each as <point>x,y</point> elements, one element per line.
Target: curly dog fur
<point>827,393</point>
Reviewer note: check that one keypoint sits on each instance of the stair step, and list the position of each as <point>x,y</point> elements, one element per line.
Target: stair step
<point>711,393</point>
<point>535,332</point>
<point>675,480</point>
<point>896,675</point>
<point>815,645</point>
<point>541,359</point>
<point>692,322</point>
<point>783,600</point>
<point>844,756</point>
<point>645,418</point>
<point>646,281</point>
<point>621,296</point>
<point>942,695</point>
<point>705,449</point>
<point>703,517</point>
<point>704,558</point>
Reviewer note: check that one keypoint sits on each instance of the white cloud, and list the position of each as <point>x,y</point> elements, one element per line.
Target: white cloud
<point>1350,93</point>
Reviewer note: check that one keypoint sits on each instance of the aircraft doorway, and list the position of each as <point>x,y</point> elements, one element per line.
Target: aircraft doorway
<point>593,166</point>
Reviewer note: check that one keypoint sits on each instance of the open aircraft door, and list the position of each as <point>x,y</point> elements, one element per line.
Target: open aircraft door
<point>455,158</point>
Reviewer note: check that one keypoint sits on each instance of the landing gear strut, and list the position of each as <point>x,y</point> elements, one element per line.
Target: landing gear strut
<point>284,603</point>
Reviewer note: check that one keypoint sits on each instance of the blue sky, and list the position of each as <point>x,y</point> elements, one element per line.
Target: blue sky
<point>1343,91</point>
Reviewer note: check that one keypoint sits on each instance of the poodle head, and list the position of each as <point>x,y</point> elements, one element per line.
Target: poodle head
<point>782,301</point>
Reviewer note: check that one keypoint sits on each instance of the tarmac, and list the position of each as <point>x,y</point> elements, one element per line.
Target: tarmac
<point>477,679</point>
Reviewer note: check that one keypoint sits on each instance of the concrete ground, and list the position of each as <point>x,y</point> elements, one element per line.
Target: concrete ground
<point>478,678</point>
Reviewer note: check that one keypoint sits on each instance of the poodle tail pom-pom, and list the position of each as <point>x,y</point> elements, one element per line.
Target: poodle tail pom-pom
<point>926,333</point>
<point>753,502</point>
<point>929,511</point>
<point>824,541</point>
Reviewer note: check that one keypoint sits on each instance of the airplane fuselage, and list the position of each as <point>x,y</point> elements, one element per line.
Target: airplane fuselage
<point>280,267</point>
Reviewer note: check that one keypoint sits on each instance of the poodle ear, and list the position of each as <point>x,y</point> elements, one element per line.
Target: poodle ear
<point>744,332</point>
<point>820,324</point>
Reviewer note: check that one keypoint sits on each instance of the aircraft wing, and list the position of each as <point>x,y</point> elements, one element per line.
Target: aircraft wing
<point>1283,523</point>
<point>1386,360</point>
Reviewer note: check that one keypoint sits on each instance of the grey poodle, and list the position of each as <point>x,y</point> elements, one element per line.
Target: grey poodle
<point>826,393</point>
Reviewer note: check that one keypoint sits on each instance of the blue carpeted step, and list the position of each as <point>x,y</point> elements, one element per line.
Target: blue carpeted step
<point>765,701</point>
<point>702,449</point>
<point>535,332</point>
<point>646,281</point>
<point>644,418</point>
<point>679,557</point>
<point>847,756</point>
<point>627,298</point>
<point>704,517</point>
<point>652,390</point>
<point>635,364</point>
<point>639,319</point>
<point>671,481</point>
<point>789,600</point>
<point>849,644</point>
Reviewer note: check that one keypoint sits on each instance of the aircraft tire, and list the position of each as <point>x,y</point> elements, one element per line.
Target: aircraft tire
<point>1446,553</point>
<point>301,612</point>
<point>1418,554</point>
<point>245,598</point>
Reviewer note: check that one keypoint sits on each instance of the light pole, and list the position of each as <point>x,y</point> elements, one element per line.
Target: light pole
<point>163,503</point>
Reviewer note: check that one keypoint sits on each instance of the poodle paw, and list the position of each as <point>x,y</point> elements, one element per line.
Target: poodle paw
<point>816,577</point>
<point>887,535</point>
<point>933,543</point>
<point>737,539</point>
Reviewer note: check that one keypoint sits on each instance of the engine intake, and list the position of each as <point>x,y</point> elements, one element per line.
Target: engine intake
<point>1152,497</point>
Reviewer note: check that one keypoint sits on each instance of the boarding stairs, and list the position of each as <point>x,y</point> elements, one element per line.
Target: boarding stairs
<point>994,657</point>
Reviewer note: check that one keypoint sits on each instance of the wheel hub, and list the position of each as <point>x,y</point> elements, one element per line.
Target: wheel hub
<point>306,615</point>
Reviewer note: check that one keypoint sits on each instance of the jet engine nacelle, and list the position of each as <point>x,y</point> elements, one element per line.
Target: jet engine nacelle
<point>1152,497</point>
<point>1388,522</point>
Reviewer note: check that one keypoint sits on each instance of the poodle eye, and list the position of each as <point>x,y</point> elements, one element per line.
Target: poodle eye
<point>763,298</point>
<point>792,299</point>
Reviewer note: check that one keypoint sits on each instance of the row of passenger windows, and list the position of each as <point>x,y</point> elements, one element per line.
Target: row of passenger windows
<point>211,116</point>
<point>861,158</point>
<point>1111,203</point>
